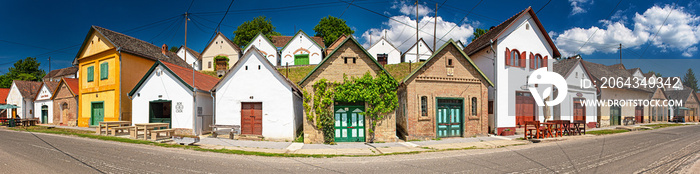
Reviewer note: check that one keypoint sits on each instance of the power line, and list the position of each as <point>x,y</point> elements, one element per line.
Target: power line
<point>465,17</point>
<point>538,11</point>
<point>223,17</point>
<point>166,28</point>
<point>188,8</point>
<point>596,30</point>
<point>662,25</point>
<point>346,9</point>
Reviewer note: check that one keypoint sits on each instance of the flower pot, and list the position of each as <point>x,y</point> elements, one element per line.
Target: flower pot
<point>185,140</point>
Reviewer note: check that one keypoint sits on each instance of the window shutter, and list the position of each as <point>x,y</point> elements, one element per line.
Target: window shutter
<point>544,62</point>
<point>104,71</point>
<point>532,61</point>
<point>90,73</point>
<point>507,56</point>
<point>523,57</point>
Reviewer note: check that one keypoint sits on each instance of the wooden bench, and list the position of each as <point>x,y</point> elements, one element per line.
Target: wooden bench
<point>235,129</point>
<point>155,133</point>
<point>134,131</point>
<point>121,129</point>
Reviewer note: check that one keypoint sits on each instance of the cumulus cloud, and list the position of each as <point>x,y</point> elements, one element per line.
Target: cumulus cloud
<point>403,37</point>
<point>680,32</point>
<point>410,9</point>
<point>576,6</point>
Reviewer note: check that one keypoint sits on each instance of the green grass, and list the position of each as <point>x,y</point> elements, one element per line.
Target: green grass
<point>401,70</point>
<point>297,73</point>
<point>211,73</point>
<point>300,138</point>
<point>607,131</point>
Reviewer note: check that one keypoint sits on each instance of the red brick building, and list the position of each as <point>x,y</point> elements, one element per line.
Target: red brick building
<point>447,96</point>
<point>65,102</point>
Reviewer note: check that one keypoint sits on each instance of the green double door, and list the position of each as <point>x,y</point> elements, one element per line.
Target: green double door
<point>44,114</point>
<point>98,113</point>
<point>615,114</point>
<point>450,118</point>
<point>160,112</point>
<point>301,59</point>
<point>349,124</point>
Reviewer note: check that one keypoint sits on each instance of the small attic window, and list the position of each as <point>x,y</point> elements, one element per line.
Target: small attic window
<point>527,26</point>
<point>258,67</point>
<point>246,67</point>
<point>576,75</point>
<point>449,62</point>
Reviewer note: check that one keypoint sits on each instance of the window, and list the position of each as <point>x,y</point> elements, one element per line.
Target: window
<point>354,59</point>
<point>258,67</point>
<point>449,62</point>
<point>474,106</point>
<point>424,106</point>
<point>246,67</point>
<point>490,107</point>
<point>576,75</point>
<point>513,58</point>
<point>64,106</point>
<point>104,70</point>
<point>199,110</point>
<point>90,73</point>
<point>209,64</point>
<point>536,61</point>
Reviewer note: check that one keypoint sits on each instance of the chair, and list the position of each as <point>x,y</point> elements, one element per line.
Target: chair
<point>558,127</point>
<point>531,126</point>
<point>581,129</point>
<point>566,127</point>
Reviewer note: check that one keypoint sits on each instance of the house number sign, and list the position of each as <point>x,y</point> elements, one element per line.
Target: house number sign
<point>178,107</point>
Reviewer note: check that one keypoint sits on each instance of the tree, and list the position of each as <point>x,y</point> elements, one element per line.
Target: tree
<point>249,29</point>
<point>689,80</point>
<point>173,49</point>
<point>655,73</point>
<point>331,28</point>
<point>479,32</point>
<point>26,69</point>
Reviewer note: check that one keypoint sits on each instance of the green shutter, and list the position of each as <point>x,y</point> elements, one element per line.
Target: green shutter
<point>104,71</point>
<point>90,73</point>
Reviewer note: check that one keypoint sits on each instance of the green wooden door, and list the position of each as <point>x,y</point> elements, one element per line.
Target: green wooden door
<point>98,113</point>
<point>44,114</point>
<point>449,118</point>
<point>615,113</point>
<point>349,124</point>
<point>160,112</point>
<point>301,59</point>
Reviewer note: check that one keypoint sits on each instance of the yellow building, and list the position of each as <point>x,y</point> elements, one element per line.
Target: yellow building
<point>110,64</point>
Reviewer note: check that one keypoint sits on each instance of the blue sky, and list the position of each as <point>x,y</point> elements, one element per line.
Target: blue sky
<point>36,28</point>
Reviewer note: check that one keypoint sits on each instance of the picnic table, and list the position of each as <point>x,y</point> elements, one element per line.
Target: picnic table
<point>109,124</point>
<point>147,128</point>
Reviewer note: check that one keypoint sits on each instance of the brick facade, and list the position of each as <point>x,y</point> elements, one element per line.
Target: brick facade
<point>433,82</point>
<point>333,69</point>
<point>65,106</point>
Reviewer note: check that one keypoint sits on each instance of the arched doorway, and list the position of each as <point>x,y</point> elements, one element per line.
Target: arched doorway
<point>44,114</point>
<point>64,113</point>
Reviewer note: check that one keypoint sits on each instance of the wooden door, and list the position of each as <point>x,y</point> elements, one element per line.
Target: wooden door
<point>449,118</point>
<point>97,113</point>
<point>251,118</point>
<point>615,113</point>
<point>301,59</point>
<point>221,64</point>
<point>64,113</point>
<point>639,114</point>
<point>579,111</point>
<point>524,108</point>
<point>44,114</point>
<point>349,123</point>
<point>382,58</point>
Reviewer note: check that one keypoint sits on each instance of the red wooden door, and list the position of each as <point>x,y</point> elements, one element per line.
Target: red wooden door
<point>579,111</point>
<point>251,118</point>
<point>639,114</point>
<point>524,108</point>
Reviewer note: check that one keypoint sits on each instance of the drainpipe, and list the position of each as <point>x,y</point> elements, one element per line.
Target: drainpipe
<point>194,110</point>
<point>213,108</point>
<point>119,50</point>
<point>495,92</point>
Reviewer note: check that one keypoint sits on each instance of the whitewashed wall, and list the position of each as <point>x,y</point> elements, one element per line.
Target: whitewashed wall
<point>574,84</point>
<point>190,59</point>
<point>425,52</point>
<point>268,50</point>
<point>26,105</point>
<point>384,47</point>
<point>281,114</point>
<point>44,98</point>
<point>219,46</point>
<point>301,41</point>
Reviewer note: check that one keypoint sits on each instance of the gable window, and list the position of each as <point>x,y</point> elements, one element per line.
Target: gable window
<point>246,67</point>
<point>449,62</point>
<point>209,64</point>
<point>104,70</point>
<point>424,106</point>
<point>354,59</point>
<point>474,106</point>
<point>91,73</point>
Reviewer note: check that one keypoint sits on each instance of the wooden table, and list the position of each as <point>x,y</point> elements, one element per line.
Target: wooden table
<point>108,124</point>
<point>146,127</point>
<point>548,132</point>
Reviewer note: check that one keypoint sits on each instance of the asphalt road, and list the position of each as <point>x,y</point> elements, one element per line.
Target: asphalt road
<point>669,150</point>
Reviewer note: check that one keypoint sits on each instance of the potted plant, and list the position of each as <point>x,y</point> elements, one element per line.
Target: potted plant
<point>185,139</point>
<point>507,132</point>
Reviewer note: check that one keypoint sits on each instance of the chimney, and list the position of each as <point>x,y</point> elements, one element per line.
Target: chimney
<point>164,49</point>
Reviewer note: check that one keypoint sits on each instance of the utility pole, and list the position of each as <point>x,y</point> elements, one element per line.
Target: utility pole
<point>435,27</point>
<point>417,37</point>
<point>186,19</point>
<point>620,53</point>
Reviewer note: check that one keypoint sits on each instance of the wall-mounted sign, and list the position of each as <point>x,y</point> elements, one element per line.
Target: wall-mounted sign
<point>179,107</point>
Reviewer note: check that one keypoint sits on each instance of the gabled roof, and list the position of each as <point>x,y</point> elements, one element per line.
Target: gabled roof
<point>679,94</point>
<point>3,95</point>
<point>62,72</point>
<point>485,40</point>
<point>449,43</point>
<point>27,88</point>
<point>72,84</point>
<point>618,66</point>
<point>347,40</point>
<point>635,70</point>
<point>283,41</point>
<point>392,45</point>
<point>194,53</point>
<point>261,58</point>
<point>263,36</point>
<point>236,47</point>
<point>51,85</point>
<point>649,74</point>
<point>335,44</point>
<point>414,45</point>
<point>132,45</point>
<point>202,82</point>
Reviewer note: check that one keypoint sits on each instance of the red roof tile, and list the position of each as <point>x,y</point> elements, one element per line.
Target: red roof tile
<point>3,95</point>
<point>72,84</point>
<point>202,81</point>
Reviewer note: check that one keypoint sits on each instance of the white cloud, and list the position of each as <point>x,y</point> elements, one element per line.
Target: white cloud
<point>410,9</point>
<point>680,32</point>
<point>403,36</point>
<point>576,6</point>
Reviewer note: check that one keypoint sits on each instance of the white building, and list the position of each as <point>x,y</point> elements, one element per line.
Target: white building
<point>166,95</point>
<point>571,108</point>
<point>22,94</point>
<point>265,47</point>
<point>219,46</point>
<point>516,47</point>
<point>385,52</point>
<point>43,102</point>
<point>190,56</point>
<point>254,95</point>
<point>419,48</point>
<point>301,50</point>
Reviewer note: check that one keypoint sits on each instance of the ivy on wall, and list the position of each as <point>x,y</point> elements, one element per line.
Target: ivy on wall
<point>219,57</point>
<point>378,93</point>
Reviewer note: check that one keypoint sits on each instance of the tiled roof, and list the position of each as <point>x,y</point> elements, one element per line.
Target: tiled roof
<point>27,88</point>
<point>72,84</point>
<point>3,95</point>
<point>139,47</point>
<point>202,81</point>
<point>194,53</point>
<point>62,72</point>
<point>598,71</point>
<point>562,67</point>
<point>649,74</point>
<point>631,71</point>
<point>335,44</point>
<point>281,41</point>
<point>679,94</point>
<point>619,66</point>
<point>52,85</point>
<point>485,39</point>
